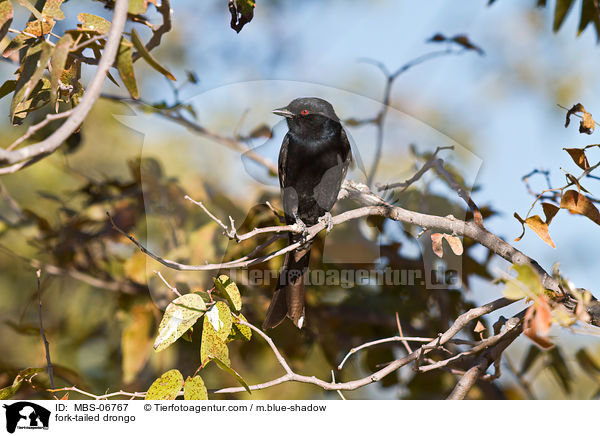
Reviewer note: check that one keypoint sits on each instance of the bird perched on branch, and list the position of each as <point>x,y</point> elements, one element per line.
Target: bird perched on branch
<point>313,161</point>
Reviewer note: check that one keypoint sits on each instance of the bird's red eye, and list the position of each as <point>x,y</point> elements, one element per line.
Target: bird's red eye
<point>304,112</point>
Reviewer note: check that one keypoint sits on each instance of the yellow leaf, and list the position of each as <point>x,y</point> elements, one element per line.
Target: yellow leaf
<point>166,387</point>
<point>536,224</point>
<point>136,341</point>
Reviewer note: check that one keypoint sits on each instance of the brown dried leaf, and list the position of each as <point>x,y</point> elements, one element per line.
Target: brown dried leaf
<point>587,122</point>
<point>455,244</point>
<point>550,210</point>
<point>464,41</point>
<point>479,327</point>
<point>537,322</point>
<point>436,244</point>
<point>522,221</point>
<point>438,37</point>
<point>536,224</point>
<point>579,157</point>
<point>261,131</point>
<point>578,203</point>
<point>574,181</point>
<point>242,12</point>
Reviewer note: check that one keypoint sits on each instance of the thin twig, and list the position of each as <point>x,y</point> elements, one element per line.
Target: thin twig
<point>100,397</point>
<point>172,288</point>
<point>426,167</point>
<point>49,366</point>
<point>404,342</point>
<point>379,120</point>
<point>198,129</point>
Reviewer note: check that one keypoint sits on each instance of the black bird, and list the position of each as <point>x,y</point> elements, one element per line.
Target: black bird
<point>313,161</point>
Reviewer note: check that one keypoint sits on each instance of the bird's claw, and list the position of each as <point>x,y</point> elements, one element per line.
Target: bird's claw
<point>303,230</point>
<point>328,220</point>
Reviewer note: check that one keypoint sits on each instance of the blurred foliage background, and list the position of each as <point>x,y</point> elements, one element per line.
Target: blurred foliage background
<point>101,300</point>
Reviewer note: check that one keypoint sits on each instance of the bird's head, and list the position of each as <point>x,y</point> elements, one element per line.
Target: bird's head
<point>310,116</point>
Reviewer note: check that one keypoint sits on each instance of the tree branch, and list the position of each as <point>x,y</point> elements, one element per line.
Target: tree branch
<point>49,366</point>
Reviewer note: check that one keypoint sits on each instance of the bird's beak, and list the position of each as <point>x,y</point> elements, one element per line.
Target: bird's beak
<point>284,112</point>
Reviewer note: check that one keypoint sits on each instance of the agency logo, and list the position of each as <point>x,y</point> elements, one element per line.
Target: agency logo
<point>26,415</point>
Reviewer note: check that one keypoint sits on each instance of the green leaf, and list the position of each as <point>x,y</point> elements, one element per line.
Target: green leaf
<point>589,13</point>
<point>34,64</point>
<point>40,96</point>
<point>141,48</point>
<point>526,285</point>
<point>239,331</point>
<point>531,357</point>
<point>30,372</point>
<point>7,87</point>
<point>234,373</point>
<point>58,62</point>
<point>52,9</point>
<point>125,67</point>
<point>26,4</point>
<point>9,391</point>
<point>166,387</point>
<point>33,30</point>
<point>194,389</point>
<point>220,319</point>
<point>93,23</point>
<point>560,370</point>
<point>560,13</point>
<point>212,346</point>
<point>136,341</point>
<point>6,16</point>
<point>181,314</point>
<point>137,7</point>
<point>589,366</point>
<point>230,291</point>
<point>242,12</point>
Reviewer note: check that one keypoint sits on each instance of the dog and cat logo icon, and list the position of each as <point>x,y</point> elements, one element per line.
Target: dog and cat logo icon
<point>26,415</point>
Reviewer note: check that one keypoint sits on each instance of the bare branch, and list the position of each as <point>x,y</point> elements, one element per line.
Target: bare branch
<point>49,366</point>
<point>198,129</point>
<point>465,384</point>
<point>158,31</point>
<point>172,288</point>
<point>426,167</point>
<point>442,339</point>
<point>379,120</point>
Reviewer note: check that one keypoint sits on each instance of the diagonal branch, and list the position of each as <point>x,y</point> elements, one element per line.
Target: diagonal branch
<point>442,339</point>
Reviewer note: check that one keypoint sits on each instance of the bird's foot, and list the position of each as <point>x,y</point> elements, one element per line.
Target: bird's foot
<point>302,229</point>
<point>328,220</point>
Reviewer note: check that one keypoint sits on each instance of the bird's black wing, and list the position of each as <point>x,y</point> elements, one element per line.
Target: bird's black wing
<point>348,159</point>
<point>283,159</point>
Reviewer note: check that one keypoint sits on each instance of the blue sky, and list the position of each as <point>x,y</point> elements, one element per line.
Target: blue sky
<point>501,106</point>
